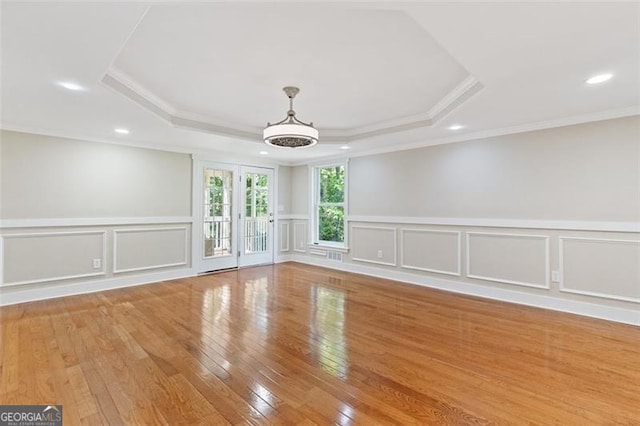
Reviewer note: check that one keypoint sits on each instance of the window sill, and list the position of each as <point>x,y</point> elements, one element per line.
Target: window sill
<point>325,246</point>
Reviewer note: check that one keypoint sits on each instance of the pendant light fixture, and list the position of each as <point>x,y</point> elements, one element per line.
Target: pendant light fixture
<point>290,132</point>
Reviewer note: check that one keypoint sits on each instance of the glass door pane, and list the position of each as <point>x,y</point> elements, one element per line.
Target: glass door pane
<point>218,226</point>
<point>256,220</point>
<point>215,231</point>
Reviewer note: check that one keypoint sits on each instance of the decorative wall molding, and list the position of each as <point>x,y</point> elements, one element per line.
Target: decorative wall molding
<point>182,262</point>
<point>561,255</point>
<point>327,247</point>
<point>300,229</point>
<point>456,273</point>
<point>569,225</point>
<point>284,230</point>
<point>100,272</point>
<point>11,296</point>
<point>546,285</point>
<point>90,221</point>
<point>379,228</point>
<point>510,295</point>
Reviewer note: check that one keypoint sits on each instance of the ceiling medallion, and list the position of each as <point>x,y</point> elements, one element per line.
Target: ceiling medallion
<point>290,132</point>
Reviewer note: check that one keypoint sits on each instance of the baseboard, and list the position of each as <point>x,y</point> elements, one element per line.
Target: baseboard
<point>594,310</point>
<point>283,258</point>
<point>32,293</point>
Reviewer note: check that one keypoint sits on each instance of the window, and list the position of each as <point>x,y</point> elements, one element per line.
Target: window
<point>330,205</point>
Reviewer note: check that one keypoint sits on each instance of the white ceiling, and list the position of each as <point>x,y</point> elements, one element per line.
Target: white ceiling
<point>205,77</point>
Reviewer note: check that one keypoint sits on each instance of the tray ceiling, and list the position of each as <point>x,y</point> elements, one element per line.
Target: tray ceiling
<point>205,77</point>
<point>221,69</point>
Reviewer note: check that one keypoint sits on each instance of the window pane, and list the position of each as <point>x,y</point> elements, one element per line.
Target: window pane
<point>261,181</point>
<point>331,223</point>
<point>332,184</point>
<point>261,203</point>
<point>248,201</point>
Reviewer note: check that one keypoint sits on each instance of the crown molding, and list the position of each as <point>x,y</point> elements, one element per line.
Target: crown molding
<point>126,86</point>
<point>586,118</point>
<point>541,125</point>
<point>188,124</point>
<point>34,130</point>
<point>458,96</point>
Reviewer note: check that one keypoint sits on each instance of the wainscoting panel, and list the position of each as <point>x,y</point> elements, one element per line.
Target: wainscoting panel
<point>51,256</point>
<point>518,259</point>
<point>374,244</point>
<point>600,267</point>
<point>284,236</point>
<point>431,251</point>
<point>300,237</point>
<point>149,248</point>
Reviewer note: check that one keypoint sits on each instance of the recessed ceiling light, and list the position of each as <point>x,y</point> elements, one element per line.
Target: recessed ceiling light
<point>121,131</point>
<point>71,86</point>
<point>456,127</point>
<point>264,153</point>
<point>345,147</point>
<point>600,78</point>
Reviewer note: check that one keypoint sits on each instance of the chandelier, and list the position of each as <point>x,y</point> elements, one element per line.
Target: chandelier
<point>290,132</point>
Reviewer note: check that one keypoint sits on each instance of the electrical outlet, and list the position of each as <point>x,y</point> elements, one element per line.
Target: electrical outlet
<point>97,263</point>
<point>555,276</point>
<point>379,254</point>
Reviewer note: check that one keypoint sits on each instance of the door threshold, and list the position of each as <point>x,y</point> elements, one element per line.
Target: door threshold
<point>256,265</point>
<point>217,271</point>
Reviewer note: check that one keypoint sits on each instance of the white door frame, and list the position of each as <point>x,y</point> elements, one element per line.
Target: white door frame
<point>199,263</point>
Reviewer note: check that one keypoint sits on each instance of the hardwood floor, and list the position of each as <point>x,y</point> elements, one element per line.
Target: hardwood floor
<point>295,344</point>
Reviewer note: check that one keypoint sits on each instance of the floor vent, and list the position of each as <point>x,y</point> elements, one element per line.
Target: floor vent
<point>334,255</point>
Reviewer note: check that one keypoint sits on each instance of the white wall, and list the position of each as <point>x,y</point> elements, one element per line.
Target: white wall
<point>284,190</point>
<point>547,218</point>
<point>584,172</point>
<point>284,218</point>
<point>47,177</point>
<point>299,190</point>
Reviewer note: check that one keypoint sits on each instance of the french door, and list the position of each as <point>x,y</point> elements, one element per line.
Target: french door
<point>234,220</point>
<point>256,216</point>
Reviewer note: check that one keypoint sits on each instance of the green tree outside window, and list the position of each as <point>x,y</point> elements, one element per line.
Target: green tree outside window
<point>331,203</point>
